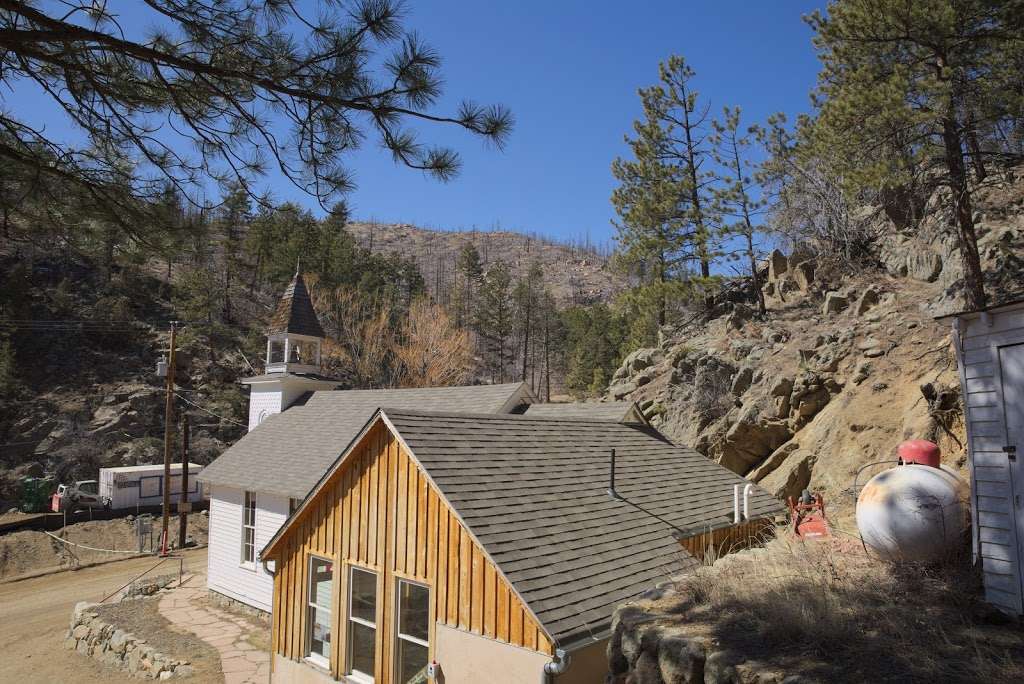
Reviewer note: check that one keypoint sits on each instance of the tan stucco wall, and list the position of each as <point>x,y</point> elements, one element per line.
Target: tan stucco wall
<point>588,665</point>
<point>467,658</point>
<point>290,672</point>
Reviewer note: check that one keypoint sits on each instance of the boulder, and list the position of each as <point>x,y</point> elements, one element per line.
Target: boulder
<point>720,668</point>
<point>803,276</point>
<point>777,265</point>
<point>645,671</point>
<point>923,265</point>
<point>741,382</point>
<point>741,313</point>
<point>773,461</point>
<point>681,660</point>
<point>792,476</point>
<point>868,299</point>
<point>622,389</point>
<point>834,303</point>
<point>749,440</point>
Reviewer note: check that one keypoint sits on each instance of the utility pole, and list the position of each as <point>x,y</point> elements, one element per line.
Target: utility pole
<point>168,438</point>
<point>184,507</point>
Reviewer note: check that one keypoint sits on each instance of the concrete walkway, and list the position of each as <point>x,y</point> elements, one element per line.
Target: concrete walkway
<point>241,662</point>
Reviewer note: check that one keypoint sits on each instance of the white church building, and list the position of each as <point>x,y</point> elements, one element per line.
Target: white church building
<point>299,424</point>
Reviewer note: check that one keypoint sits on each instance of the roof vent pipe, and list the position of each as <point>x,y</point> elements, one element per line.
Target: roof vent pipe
<point>736,504</point>
<point>611,479</point>
<point>746,500</point>
<point>557,666</point>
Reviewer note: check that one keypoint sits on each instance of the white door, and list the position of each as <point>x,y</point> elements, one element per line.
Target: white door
<point>1011,370</point>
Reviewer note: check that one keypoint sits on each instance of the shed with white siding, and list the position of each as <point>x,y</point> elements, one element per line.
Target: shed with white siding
<point>143,485</point>
<point>990,356</point>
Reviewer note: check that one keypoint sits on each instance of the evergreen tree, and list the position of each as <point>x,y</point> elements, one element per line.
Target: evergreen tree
<point>736,195</point>
<point>237,80</point>
<point>663,198</point>
<point>493,318</point>
<point>526,302</point>
<point>904,89</point>
<point>232,224</point>
<point>469,273</point>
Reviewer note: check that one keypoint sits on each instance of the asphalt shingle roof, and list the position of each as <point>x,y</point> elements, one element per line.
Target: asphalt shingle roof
<point>534,494</point>
<point>295,313</point>
<point>290,451</point>
<point>616,411</point>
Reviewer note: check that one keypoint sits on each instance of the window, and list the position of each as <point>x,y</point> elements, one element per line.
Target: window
<point>318,618</point>
<point>275,351</point>
<point>413,632</point>
<point>362,628</point>
<point>249,528</point>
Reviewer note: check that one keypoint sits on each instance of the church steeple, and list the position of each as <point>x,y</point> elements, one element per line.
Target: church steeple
<point>295,334</point>
<point>294,337</point>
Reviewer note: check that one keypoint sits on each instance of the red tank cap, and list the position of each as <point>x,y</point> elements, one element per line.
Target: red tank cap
<point>920,452</point>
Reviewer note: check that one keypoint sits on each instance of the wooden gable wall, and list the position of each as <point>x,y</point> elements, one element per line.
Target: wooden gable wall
<point>379,511</point>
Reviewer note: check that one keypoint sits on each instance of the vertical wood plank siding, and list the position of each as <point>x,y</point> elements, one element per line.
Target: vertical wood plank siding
<point>380,512</point>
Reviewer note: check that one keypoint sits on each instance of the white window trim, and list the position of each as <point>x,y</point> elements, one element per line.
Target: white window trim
<point>315,658</point>
<point>249,564</point>
<point>352,674</point>
<point>398,617</point>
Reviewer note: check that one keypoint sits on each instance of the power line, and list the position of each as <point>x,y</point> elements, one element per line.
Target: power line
<point>206,410</point>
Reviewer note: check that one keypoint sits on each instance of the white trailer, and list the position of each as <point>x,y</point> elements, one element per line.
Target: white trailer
<point>139,486</point>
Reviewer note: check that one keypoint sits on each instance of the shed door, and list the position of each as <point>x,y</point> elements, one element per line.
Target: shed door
<point>1011,367</point>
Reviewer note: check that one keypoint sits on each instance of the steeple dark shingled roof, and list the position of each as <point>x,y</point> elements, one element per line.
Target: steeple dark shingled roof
<point>295,313</point>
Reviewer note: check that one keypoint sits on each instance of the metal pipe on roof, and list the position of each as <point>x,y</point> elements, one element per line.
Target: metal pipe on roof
<point>746,501</point>
<point>611,479</point>
<point>736,504</point>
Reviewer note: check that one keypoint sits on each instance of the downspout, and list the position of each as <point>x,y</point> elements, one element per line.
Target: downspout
<point>266,568</point>
<point>736,504</point>
<point>558,665</point>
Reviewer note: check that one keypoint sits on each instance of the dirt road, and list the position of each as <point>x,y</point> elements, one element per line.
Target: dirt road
<point>34,615</point>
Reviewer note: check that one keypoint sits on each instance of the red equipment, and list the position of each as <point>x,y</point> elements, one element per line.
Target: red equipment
<point>807,516</point>
<point>919,452</point>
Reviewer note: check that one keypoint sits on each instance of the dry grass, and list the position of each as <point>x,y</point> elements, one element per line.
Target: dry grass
<point>830,612</point>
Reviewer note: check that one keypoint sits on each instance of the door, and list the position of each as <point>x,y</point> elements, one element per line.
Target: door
<point>1011,371</point>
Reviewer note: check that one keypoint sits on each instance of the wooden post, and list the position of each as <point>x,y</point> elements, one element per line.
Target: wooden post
<point>168,437</point>
<point>183,505</point>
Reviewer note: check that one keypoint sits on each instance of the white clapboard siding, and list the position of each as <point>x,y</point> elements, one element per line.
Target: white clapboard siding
<point>997,535</point>
<point>226,574</point>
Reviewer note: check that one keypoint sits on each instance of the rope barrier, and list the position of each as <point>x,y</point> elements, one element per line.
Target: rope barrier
<point>83,546</point>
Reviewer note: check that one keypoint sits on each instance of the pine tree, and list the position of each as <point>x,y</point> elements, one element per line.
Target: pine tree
<point>246,85</point>
<point>736,195</point>
<point>493,318</point>
<point>526,301</point>
<point>663,198</point>
<point>901,91</point>
<point>469,273</point>
<point>232,224</point>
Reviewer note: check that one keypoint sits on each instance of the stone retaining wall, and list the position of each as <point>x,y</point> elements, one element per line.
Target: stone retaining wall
<point>113,647</point>
<point>646,648</point>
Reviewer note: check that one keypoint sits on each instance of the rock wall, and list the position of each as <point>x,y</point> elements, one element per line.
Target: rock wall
<point>647,648</point>
<point>113,647</point>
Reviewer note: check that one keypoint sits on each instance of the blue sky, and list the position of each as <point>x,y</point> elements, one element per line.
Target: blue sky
<point>569,70</point>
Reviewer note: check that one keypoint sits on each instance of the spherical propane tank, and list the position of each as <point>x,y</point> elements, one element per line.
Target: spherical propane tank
<point>913,512</point>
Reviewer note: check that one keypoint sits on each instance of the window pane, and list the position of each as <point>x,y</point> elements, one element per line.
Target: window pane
<point>320,575</point>
<point>364,653</point>
<point>319,612</point>
<point>364,595</point>
<point>412,663</point>
<point>414,608</point>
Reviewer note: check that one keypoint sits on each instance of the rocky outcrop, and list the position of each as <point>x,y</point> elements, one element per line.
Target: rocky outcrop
<point>647,648</point>
<point>115,648</point>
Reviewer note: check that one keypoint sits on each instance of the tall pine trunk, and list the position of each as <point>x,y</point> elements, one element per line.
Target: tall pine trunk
<point>967,238</point>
